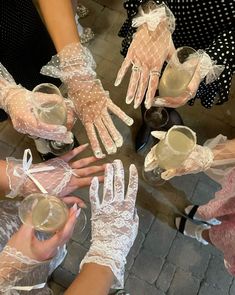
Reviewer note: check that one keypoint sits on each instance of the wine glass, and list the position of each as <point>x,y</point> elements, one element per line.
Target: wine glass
<point>47,213</point>
<point>53,112</point>
<point>171,152</point>
<point>178,72</point>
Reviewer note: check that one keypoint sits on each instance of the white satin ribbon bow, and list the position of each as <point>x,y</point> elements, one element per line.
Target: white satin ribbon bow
<point>27,171</point>
<point>152,19</point>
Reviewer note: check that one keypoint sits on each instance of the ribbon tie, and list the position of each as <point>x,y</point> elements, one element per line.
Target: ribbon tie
<point>152,19</point>
<point>27,162</point>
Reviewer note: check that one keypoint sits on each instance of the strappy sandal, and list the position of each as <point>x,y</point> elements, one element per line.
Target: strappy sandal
<point>180,223</point>
<point>191,214</point>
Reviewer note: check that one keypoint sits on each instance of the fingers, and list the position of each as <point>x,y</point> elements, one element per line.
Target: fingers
<point>168,174</point>
<point>74,200</point>
<point>122,71</point>
<point>143,83</point>
<point>119,189</point>
<point>116,136</point>
<point>120,114</point>
<point>132,188</point>
<point>82,163</point>
<point>172,102</point>
<point>108,184</point>
<point>52,132</point>
<point>91,133</point>
<point>73,153</point>
<point>158,134</point>
<point>89,170</point>
<point>152,88</point>
<point>133,84</point>
<point>151,160</point>
<point>85,181</point>
<point>105,137</point>
<point>94,194</point>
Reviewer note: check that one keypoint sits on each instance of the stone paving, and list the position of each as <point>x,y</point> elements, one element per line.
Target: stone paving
<point>162,261</point>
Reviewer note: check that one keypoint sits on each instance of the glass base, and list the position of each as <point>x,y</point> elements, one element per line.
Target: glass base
<point>81,221</point>
<point>153,177</point>
<point>59,148</point>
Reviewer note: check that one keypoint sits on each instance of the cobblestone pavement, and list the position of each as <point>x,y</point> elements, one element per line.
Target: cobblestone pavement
<point>161,261</point>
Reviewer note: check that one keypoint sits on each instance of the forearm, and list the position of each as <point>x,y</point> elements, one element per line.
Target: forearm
<point>93,279</point>
<point>4,182</point>
<point>59,19</point>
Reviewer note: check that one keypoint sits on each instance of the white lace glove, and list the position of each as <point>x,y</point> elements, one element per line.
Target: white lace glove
<point>200,159</point>
<point>59,176</point>
<point>206,68</point>
<point>114,220</point>
<point>74,65</point>
<point>151,46</point>
<point>20,103</point>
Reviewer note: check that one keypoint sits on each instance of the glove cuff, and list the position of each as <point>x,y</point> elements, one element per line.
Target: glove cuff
<point>107,256</point>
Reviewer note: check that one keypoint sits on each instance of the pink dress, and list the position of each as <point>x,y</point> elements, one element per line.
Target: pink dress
<point>222,207</point>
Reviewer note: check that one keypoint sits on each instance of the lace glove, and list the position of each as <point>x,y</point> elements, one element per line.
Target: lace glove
<point>20,260</point>
<point>56,176</point>
<point>206,67</point>
<point>200,159</point>
<point>19,103</point>
<point>151,46</point>
<point>114,220</point>
<point>74,65</point>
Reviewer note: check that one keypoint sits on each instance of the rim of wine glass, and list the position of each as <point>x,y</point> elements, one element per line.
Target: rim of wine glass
<point>162,110</point>
<point>194,136</point>
<point>45,196</point>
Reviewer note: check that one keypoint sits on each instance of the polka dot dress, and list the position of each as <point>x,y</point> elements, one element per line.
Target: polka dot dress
<point>207,25</point>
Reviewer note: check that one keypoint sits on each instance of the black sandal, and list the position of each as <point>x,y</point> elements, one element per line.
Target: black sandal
<point>193,211</point>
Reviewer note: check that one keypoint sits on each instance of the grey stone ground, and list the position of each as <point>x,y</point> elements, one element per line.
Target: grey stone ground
<point>161,261</point>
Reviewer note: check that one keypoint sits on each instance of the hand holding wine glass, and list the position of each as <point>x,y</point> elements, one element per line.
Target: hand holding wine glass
<point>17,102</point>
<point>173,148</point>
<point>183,75</point>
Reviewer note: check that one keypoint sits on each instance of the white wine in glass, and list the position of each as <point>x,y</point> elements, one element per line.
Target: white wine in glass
<point>44,212</point>
<point>178,72</point>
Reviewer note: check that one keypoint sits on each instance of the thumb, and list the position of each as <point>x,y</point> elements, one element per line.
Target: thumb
<point>168,174</point>
<point>158,134</point>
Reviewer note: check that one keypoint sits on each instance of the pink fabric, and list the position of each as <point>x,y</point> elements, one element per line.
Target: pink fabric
<point>222,207</point>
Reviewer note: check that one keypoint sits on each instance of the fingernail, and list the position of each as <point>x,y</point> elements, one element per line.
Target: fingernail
<point>75,207</point>
<point>84,206</point>
<point>117,82</point>
<point>99,155</point>
<point>129,121</point>
<point>129,99</point>
<point>78,212</point>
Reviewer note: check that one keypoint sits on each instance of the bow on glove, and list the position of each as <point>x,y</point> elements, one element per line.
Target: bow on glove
<point>58,176</point>
<point>206,67</point>
<point>20,104</point>
<point>114,220</point>
<point>200,159</point>
<point>74,65</point>
<point>151,46</point>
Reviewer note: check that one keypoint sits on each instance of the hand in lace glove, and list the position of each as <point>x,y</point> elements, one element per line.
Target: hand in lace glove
<point>152,45</point>
<point>114,220</point>
<point>19,103</point>
<point>74,65</point>
<point>205,68</point>
<point>200,159</point>
<point>18,260</point>
<point>58,176</point>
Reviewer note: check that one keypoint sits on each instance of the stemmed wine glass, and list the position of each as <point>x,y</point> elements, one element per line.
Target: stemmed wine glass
<point>53,112</point>
<point>47,213</point>
<point>170,152</point>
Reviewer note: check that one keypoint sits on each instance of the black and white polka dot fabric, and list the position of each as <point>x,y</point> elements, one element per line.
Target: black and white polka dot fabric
<point>207,25</point>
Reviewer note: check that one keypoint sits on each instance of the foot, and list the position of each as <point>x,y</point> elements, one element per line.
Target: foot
<point>190,229</point>
<point>191,211</point>
<point>142,137</point>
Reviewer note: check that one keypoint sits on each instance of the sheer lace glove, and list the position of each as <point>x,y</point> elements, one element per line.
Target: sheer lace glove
<point>19,103</point>
<point>206,67</point>
<point>114,220</point>
<point>152,45</point>
<point>57,176</point>
<point>74,65</point>
<point>18,260</point>
<point>200,159</point>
